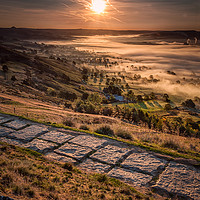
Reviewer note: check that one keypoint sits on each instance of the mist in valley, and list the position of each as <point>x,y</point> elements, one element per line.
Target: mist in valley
<point>132,52</point>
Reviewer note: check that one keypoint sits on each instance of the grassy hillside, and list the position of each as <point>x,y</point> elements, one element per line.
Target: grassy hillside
<point>50,89</point>
<point>39,77</point>
<point>26,174</point>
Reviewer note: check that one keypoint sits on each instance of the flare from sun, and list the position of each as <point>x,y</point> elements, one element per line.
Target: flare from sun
<point>98,6</point>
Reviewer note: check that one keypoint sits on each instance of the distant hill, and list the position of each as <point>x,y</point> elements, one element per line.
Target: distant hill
<point>65,34</point>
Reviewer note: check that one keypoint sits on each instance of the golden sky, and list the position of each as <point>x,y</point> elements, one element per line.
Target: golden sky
<point>105,14</point>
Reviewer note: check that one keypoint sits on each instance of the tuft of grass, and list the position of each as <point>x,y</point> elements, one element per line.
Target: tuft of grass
<point>68,123</point>
<point>105,130</point>
<point>17,190</point>
<point>6,180</point>
<point>101,177</point>
<point>30,193</point>
<point>68,166</point>
<point>172,144</point>
<point>124,134</point>
<point>84,127</point>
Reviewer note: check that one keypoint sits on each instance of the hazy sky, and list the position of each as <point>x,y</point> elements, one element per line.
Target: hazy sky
<point>119,14</point>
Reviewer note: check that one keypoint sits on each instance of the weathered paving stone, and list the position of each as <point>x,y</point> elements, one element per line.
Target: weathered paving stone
<point>11,141</point>
<point>57,137</point>
<point>29,133</point>
<point>90,165</point>
<point>5,198</point>
<point>40,145</point>
<point>4,119</point>
<point>110,154</point>
<point>16,124</point>
<point>73,151</point>
<point>180,179</point>
<point>144,162</point>
<point>136,178</point>
<point>4,131</point>
<point>88,141</point>
<point>60,158</point>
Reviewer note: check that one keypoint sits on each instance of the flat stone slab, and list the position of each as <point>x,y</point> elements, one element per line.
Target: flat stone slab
<point>88,141</point>
<point>90,165</point>
<point>4,131</point>
<point>57,137</point>
<point>74,151</point>
<point>16,124</point>
<point>110,154</point>
<point>40,145</point>
<point>29,133</point>
<point>180,179</point>
<point>4,119</point>
<point>11,141</point>
<point>144,162</point>
<point>60,158</point>
<point>136,178</point>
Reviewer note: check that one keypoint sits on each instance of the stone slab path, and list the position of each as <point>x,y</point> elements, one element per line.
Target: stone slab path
<point>102,155</point>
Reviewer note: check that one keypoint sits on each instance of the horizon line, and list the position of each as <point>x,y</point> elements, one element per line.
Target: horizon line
<point>103,29</point>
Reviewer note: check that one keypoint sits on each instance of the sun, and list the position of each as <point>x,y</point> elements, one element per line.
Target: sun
<point>98,6</point>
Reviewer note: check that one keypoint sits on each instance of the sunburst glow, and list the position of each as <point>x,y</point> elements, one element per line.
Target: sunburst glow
<point>98,6</point>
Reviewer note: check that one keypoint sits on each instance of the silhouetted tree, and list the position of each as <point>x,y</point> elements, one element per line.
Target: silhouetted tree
<point>166,97</point>
<point>139,98</point>
<point>189,103</point>
<point>168,106</point>
<point>85,96</point>
<point>5,68</point>
<point>13,78</point>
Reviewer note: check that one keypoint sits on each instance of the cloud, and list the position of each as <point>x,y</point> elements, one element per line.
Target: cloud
<point>121,14</point>
<point>34,4</point>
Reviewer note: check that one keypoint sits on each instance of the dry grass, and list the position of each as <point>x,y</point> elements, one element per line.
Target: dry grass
<point>25,174</point>
<point>174,142</point>
<point>51,113</point>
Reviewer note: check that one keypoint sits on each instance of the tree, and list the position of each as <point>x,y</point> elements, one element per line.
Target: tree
<point>65,78</point>
<point>101,75</point>
<point>189,103</point>
<point>127,86</point>
<point>166,97</point>
<point>151,77</point>
<point>5,68</point>
<point>13,78</point>
<point>85,70</point>
<point>84,96</point>
<point>112,98</point>
<point>168,106</point>
<point>85,77</point>
<point>68,105</point>
<point>139,98</point>
<point>152,95</point>
<point>95,98</point>
<point>67,95</point>
<point>146,97</point>
<point>130,95</point>
<point>107,111</point>
<point>141,115</point>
